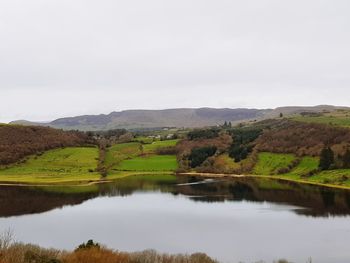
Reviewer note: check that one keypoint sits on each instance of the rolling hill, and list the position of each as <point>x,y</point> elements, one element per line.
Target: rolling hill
<point>185,117</point>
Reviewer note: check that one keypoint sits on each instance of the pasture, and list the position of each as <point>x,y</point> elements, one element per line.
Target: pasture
<point>55,166</point>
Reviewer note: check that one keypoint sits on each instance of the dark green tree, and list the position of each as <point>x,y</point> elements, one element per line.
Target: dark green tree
<point>199,155</point>
<point>346,159</point>
<point>243,142</point>
<point>203,134</point>
<point>326,158</point>
<point>88,245</point>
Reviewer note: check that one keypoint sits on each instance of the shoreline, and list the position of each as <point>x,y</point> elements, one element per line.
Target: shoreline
<point>73,183</point>
<point>272,177</point>
<point>204,175</point>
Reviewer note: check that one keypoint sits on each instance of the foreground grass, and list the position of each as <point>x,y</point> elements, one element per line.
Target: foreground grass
<point>72,164</point>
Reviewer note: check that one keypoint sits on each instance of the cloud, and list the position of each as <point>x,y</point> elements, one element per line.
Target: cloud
<point>65,57</point>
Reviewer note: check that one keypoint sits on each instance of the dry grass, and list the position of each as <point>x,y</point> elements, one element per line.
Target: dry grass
<point>95,255</point>
<point>12,252</point>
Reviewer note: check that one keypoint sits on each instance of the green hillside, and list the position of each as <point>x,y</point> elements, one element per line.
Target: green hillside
<point>55,166</point>
<point>270,163</point>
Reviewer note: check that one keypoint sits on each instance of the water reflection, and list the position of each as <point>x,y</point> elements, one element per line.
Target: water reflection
<point>312,200</point>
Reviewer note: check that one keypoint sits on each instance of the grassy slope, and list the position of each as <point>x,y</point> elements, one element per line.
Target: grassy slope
<point>269,163</point>
<point>55,166</point>
<point>120,152</point>
<point>150,148</point>
<point>344,122</point>
<point>338,118</point>
<point>337,177</point>
<point>78,164</point>
<point>306,165</point>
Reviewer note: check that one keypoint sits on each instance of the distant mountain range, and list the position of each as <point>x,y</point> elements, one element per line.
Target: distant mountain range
<point>186,117</point>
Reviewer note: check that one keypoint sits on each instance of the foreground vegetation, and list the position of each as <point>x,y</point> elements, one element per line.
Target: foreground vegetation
<point>90,252</point>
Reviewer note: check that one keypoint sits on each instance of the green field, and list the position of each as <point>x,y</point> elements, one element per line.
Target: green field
<point>152,147</point>
<point>144,139</point>
<point>149,163</point>
<point>78,164</point>
<point>331,120</point>
<point>120,152</point>
<point>270,163</point>
<point>55,166</point>
<point>139,157</point>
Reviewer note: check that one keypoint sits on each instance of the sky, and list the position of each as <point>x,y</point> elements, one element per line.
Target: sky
<point>72,57</point>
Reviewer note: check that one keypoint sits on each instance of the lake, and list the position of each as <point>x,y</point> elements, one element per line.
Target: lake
<point>232,220</point>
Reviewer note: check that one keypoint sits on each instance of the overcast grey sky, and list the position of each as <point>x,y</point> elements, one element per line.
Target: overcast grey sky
<point>71,57</point>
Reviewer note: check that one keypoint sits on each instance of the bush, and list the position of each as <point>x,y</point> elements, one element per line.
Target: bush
<point>326,159</point>
<point>26,253</point>
<point>151,256</point>
<point>95,255</point>
<point>88,245</point>
<point>283,170</point>
<point>310,173</point>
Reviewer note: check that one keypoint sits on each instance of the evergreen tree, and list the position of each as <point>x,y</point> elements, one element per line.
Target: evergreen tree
<point>346,159</point>
<point>326,158</point>
<point>199,155</point>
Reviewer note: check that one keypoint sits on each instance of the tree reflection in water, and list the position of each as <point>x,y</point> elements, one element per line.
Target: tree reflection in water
<point>312,200</point>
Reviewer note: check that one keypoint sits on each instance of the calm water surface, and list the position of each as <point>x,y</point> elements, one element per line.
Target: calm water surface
<point>232,220</point>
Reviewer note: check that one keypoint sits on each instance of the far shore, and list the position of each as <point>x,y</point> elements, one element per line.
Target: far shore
<point>82,183</point>
<point>273,177</point>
